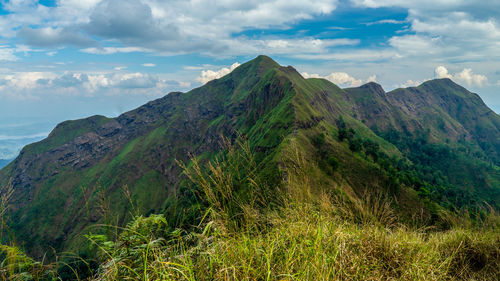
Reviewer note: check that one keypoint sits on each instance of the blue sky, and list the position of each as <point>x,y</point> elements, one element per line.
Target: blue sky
<point>71,59</point>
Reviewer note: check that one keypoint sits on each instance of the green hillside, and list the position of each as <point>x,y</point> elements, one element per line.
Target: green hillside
<point>431,149</point>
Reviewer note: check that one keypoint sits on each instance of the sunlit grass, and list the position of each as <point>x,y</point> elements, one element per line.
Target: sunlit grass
<point>310,236</point>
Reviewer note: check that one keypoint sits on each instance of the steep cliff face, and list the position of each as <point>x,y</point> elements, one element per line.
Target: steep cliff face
<point>75,177</point>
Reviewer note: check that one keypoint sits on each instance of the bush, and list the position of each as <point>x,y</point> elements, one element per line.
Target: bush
<point>319,140</point>
<point>139,243</point>
<point>355,144</point>
<point>333,162</point>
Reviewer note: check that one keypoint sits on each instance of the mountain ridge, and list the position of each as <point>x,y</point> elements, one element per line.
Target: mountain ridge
<point>59,180</point>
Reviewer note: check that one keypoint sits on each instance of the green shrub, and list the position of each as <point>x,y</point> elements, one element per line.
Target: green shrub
<point>355,144</point>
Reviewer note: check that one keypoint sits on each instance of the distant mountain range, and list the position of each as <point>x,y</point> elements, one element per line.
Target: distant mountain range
<point>15,133</point>
<point>433,146</point>
<point>4,162</point>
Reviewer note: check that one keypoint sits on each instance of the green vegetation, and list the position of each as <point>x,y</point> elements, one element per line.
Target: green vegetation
<point>451,176</point>
<point>310,181</point>
<point>296,233</point>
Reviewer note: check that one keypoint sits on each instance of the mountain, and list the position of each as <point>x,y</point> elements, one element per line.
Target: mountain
<point>433,146</point>
<point>439,125</point>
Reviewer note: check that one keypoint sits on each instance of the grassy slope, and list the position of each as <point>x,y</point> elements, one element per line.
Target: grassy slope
<point>356,173</point>
<point>462,114</point>
<point>438,116</point>
<point>306,236</point>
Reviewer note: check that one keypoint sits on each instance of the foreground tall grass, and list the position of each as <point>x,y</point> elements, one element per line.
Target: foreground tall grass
<point>305,236</point>
<point>250,231</point>
<point>305,245</point>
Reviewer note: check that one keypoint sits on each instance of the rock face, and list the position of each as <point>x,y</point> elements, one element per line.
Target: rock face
<point>61,183</point>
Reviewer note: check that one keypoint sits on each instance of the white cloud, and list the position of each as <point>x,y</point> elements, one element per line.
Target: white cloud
<point>387,21</point>
<point>431,5</point>
<point>21,13</point>
<point>25,80</point>
<point>457,25</point>
<point>416,45</point>
<point>442,72</point>
<point>149,64</point>
<point>20,137</point>
<point>341,78</point>
<point>442,28</point>
<point>96,82</point>
<point>209,75</point>
<point>54,36</point>
<point>7,54</point>
<point>465,76</point>
<point>439,32</point>
<point>470,78</point>
<point>297,46</point>
<point>196,67</point>
<point>113,50</point>
<point>135,80</point>
<point>166,27</point>
<point>36,85</point>
<point>312,75</point>
<point>305,46</point>
<point>184,84</point>
<point>447,29</point>
<point>409,83</point>
<point>362,55</point>
<point>372,78</point>
<point>226,17</point>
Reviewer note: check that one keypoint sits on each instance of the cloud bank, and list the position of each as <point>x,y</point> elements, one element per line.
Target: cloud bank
<point>465,76</point>
<point>37,85</point>
<point>172,27</point>
<point>341,79</point>
<point>209,75</point>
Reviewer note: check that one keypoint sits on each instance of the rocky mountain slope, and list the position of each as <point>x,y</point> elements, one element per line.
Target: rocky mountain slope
<point>432,146</point>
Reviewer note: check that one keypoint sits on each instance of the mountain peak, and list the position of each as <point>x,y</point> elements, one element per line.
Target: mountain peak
<point>262,63</point>
<point>373,87</point>
<point>446,86</point>
<point>264,59</point>
<point>441,82</point>
<point>251,72</point>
